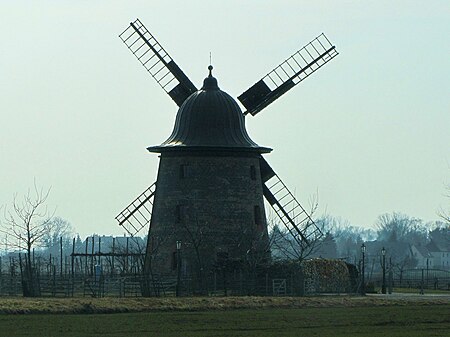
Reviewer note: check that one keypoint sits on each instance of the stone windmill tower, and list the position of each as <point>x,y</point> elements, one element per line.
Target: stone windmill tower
<point>209,192</point>
<point>212,178</point>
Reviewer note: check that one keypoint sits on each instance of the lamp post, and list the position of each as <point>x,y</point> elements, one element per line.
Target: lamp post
<point>383,285</point>
<point>363,282</point>
<point>177,290</point>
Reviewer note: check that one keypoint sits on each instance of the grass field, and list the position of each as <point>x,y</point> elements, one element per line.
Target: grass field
<point>323,317</point>
<point>366,321</point>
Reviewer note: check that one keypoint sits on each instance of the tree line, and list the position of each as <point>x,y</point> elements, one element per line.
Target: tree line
<point>29,224</point>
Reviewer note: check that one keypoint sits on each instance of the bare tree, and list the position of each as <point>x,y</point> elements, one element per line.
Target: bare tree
<point>349,239</point>
<point>402,228</point>
<point>445,214</point>
<point>60,231</point>
<point>129,255</point>
<point>288,245</point>
<point>197,237</point>
<point>153,250</point>
<point>402,263</point>
<point>25,226</point>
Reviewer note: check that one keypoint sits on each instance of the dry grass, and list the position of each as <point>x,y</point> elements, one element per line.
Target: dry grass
<point>134,305</point>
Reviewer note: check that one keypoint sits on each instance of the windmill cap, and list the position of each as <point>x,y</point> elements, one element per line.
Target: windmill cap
<point>209,119</point>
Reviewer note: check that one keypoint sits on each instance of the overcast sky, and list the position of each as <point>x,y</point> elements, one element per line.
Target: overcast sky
<point>369,132</point>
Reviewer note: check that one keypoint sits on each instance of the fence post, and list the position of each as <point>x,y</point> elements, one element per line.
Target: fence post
<point>267,284</point>
<point>61,256</point>
<point>127,256</point>
<point>292,284</point>
<point>240,282</point>
<point>21,271</point>
<point>92,256</point>
<point>54,281</point>
<point>421,284</point>
<point>86,257</point>
<point>99,262</point>
<point>113,255</point>
<point>390,280</point>
<point>72,259</point>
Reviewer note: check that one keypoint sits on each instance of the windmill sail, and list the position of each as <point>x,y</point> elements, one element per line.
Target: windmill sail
<point>293,216</point>
<point>157,62</point>
<point>288,74</point>
<point>137,214</point>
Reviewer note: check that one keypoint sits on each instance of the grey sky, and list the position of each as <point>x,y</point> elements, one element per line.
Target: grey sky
<point>370,131</point>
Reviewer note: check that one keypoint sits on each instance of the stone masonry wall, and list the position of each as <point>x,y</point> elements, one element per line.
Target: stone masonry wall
<point>213,204</point>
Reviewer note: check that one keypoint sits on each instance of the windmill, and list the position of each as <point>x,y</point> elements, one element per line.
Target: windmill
<point>209,166</point>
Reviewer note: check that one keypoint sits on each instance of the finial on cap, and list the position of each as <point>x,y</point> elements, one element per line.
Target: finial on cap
<point>210,83</point>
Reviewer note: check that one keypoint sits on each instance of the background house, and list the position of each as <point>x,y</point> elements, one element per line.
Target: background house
<point>423,256</point>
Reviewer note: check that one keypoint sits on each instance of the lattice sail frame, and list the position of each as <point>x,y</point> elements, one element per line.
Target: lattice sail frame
<point>302,63</point>
<point>291,213</point>
<point>288,74</point>
<point>157,62</point>
<point>138,214</point>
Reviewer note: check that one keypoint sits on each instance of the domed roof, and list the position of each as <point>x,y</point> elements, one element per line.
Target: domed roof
<point>209,119</point>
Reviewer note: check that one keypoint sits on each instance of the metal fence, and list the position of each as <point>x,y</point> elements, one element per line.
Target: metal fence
<point>87,279</point>
<point>419,279</point>
<point>214,284</point>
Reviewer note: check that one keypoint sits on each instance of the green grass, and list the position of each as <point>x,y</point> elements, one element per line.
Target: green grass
<point>389,320</point>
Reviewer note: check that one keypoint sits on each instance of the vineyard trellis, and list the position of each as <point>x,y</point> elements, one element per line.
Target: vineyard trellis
<point>99,267</point>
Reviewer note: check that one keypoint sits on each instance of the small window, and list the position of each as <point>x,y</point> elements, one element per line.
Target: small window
<point>180,213</point>
<point>184,171</point>
<point>257,215</point>
<point>253,172</point>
